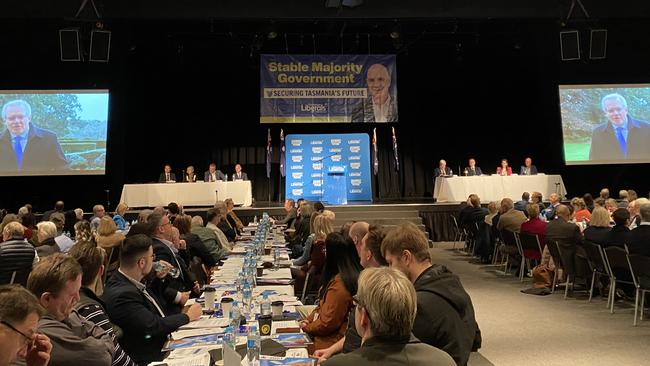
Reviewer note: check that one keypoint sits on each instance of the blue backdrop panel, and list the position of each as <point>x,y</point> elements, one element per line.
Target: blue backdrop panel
<point>310,158</point>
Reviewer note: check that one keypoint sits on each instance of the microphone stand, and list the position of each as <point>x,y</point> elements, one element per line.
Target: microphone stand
<point>321,174</point>
<point>108,200</point>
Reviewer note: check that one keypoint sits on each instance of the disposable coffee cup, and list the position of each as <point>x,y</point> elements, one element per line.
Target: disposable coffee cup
<point>208,294</point>
<point>276,309</point>
<point>265,322</point>
<point>226,305</point>
<point>267,251</point>
<point>260,271</point>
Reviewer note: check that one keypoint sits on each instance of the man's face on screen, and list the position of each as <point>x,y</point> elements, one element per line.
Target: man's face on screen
<point>615,111</point>
<point>378,83</point>
<point>17,120</point>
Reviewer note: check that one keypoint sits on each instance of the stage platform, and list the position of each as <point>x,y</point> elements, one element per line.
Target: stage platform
<point>434,218</point>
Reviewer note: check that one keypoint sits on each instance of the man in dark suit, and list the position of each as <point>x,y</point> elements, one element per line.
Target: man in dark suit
<point>213,175</point>
<point>472,213</point>
<point>620,234</point>
<point>567,235</point>
<point>25,148</point>
<point>472,169</point>
<point>239,175</point>
<point>521,205</point>
<point>167,176</point>
<point>292,214</point>
<point>135,309</point>
<point>528,168</point>
<point>639,240</point>
<point>442,170</point>
<point>621,137</point>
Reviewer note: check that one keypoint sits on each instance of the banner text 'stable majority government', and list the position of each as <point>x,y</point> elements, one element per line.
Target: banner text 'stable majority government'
<point>187,194</point>
<point>495,188</point>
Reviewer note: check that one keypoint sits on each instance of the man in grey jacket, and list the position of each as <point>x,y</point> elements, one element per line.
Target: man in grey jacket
<point>56,281</point>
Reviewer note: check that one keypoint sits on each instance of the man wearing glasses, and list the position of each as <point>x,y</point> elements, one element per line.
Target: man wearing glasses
<point>19,315</point>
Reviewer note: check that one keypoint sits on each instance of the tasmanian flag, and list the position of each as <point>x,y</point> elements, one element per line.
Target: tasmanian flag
<point>375,161</point>
<point>395,150</point>
<point>269,152</point>
<point>282,157</point>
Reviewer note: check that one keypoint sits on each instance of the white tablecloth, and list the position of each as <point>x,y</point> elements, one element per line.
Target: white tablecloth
<point>494,188</point>
<point>187,194</point>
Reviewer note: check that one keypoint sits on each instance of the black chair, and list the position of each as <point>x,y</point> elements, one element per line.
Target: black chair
<point>640,269</point>
<point>554,249</point>
<point>618,267</point>
<point>509,248</point>
<point>460,234</point>
<point>598,265</point>
<point>528,242</point>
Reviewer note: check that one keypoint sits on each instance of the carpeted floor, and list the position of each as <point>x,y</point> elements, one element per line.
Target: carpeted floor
<point>520,329</point>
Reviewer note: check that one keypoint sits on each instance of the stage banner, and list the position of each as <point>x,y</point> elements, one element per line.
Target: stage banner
<point>328,88</point>
<point>311,157</point>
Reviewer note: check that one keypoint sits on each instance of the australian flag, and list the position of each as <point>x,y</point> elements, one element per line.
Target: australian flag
<point>395,150</point>
<point>282,157</point>
<point>269,152</point>
<point>375,161</point>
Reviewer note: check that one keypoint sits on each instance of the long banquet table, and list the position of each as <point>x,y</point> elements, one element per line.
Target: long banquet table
<point>496,187</point>
<point>187,194</point>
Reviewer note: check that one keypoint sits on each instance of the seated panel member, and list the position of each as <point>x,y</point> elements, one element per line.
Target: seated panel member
<point>528,168</point>
<point>167,176</point>
<point>504,169</point>
<point>472,169</point>
<point>213,175</point>
<point>239,175</point>
<point>190,175</point>
<point>442,170</point>
<point>385,311</point>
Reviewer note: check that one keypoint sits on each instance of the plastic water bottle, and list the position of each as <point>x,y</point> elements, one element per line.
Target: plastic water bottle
<point>255,219</point>
<point>265,305</point>
<point>235,316</point>
<point>253,346</point>
<point>276,260</point>
<point>240,281</point>
<point>229,338</point>
<point>247,296</point>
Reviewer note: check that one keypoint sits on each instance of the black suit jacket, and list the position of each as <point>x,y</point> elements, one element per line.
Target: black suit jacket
<point>162,179</point>
<point>568,237</point>
<point>476,171</point>
<point>218,173</point>
<point>42,154</point>
<point>436,171</point>
<point>144,330</point>
<point>639,240</point>
<point>244,176</point>
<point>604,145</point>
<point>169,287</point>
<point>533,170</point>
<point>617,237</point>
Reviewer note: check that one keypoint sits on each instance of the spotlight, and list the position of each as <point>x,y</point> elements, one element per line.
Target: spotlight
<point>395,32</point>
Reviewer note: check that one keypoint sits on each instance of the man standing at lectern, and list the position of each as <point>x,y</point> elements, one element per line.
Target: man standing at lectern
<point>621,137</point>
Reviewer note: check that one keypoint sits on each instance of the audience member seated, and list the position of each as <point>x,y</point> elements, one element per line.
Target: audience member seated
<point>195,245</point>
<point>173,210</point>
<point>46,234</point>
<point>493,210</point>
<point>292,213</point>
<point>91,258</point>
<point>620,234</point>
<point>98,213</point>
<point>110,240</point>
<point>634,207</point>
<point>223,224</point>
<point>19,341</point>
<point>298,240</point>
<point>589,201</point>
<point>190,175</point>
<point>598,227</point>
<point>537,199</point>
<point>604,193</point>
<point>307,245</point>
<point>534,226</point>
<point>473,213</point>
<point>504,169</point>
<point>580,211</point>
<point>510,219</point>
<point>322,227</point>
<point>29,223</point>
<point>59,206</point>
<point>16,255</point>
<point>549,212</point>
<point>611,205</point>
<point>134,308</point>
<point>63,241</point>
<point>385,308</point>
<point>622,198</point>
<point>521,205</point>
<point>568,237</point>
<point>232,216</point>
<point>639,241</point>
<point>445,314</point>
<point>328,322</point>
<point>56,281</point>
<point>119,215</point>
<point>82,232</point>
<point>144,215</point>
<point>174,291</point>
<point>209,239</point>
<point>214,220</point>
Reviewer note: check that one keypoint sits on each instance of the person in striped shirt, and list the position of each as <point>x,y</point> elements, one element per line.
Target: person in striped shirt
<point>90,306</point>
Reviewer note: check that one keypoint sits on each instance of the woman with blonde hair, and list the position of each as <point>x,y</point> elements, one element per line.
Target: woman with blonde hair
<point>108,238</point>
<point>82,232</point>
<point>119,215</point>
<point>580,210</point>
<point>190,175</point>
<point>598,226</point>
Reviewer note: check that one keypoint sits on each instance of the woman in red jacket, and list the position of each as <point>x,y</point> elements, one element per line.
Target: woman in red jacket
<point>504,169</point>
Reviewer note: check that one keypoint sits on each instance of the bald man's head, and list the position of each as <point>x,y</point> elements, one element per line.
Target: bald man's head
<point>358,230</point>
<point>378,80</point>
<point>563,212</point>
